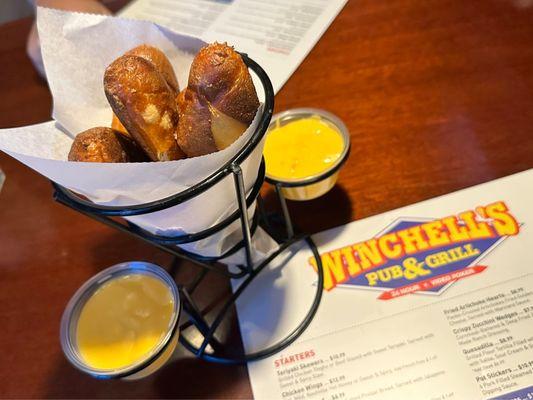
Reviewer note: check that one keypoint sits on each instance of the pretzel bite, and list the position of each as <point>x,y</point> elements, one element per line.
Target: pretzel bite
<point>145,104</point>
<point>105,145</point>
<point>219,103</point>
<point>160,61</point>
<point>117,125</point>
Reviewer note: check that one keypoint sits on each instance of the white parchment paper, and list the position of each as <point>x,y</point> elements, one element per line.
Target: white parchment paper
<point>76,50</point>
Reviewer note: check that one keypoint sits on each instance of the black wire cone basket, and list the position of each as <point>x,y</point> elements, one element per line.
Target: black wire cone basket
<point>211,349</point>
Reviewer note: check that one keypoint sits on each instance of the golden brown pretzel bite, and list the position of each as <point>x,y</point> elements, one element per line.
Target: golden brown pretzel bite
<point>145,104</point>
<point>161,62</point>
<point>117,125</point>
<point>219,103</point>
<point>105,145</point>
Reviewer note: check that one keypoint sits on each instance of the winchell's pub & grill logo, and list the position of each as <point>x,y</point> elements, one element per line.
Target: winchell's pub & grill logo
<point>420,256</point>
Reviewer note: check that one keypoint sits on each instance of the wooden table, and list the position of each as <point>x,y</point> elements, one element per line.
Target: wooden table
<point>438,96</point>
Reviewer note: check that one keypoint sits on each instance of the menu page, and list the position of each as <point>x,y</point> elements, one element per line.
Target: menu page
<point>430,301</point>
<point>278,34</point>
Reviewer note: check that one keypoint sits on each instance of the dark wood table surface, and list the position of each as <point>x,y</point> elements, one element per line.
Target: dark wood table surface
<point>437,95</point>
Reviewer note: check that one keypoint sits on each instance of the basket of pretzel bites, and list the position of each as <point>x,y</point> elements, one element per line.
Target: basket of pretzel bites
<point>153,120</point>
<point>151,123</point>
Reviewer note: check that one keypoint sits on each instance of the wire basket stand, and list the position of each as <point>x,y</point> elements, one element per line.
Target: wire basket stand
<point>210,348</point>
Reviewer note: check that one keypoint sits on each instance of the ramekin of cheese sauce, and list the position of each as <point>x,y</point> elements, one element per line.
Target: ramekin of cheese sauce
<point>304,150</point>
<point>123,322</point>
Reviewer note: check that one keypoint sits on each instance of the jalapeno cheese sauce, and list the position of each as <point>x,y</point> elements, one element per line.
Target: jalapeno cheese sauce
<point>301,149</point>
<point>123,321</point>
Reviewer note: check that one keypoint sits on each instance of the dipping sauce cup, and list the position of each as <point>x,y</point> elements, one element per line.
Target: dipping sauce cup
<point>123,322</point>
<point>304,150</point>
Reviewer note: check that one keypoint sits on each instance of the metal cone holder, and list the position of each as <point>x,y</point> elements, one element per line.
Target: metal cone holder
<point>210,348</point>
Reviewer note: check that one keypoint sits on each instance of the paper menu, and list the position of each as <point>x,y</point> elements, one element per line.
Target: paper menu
<point>453,320</point>
<point>277,34</point>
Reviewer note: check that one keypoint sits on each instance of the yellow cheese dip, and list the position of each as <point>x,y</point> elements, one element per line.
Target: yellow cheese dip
<point>123,321</point>
<point>302,149</point>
